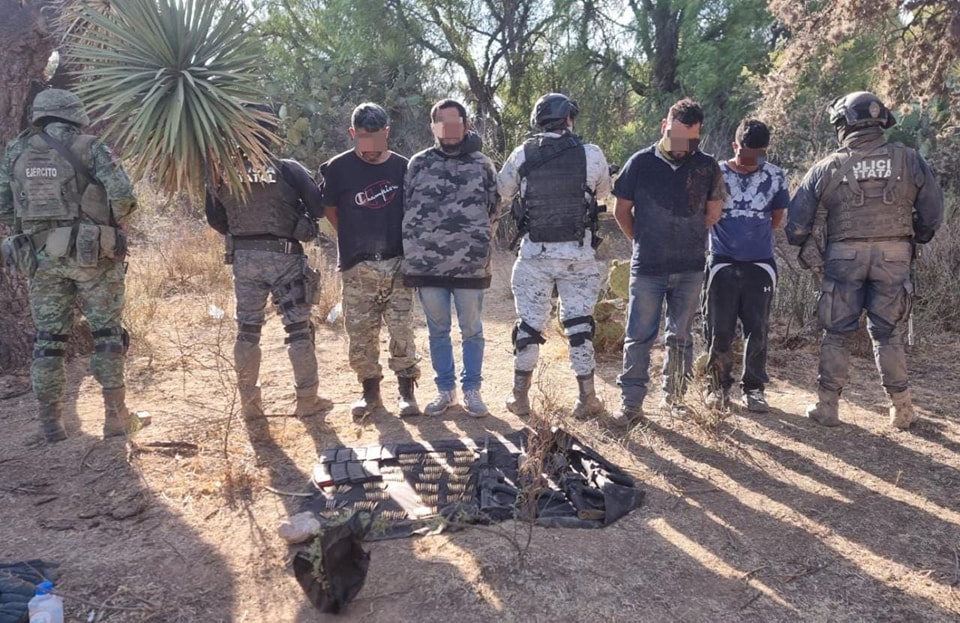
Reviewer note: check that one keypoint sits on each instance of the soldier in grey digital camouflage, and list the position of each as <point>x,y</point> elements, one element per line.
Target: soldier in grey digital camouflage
<point>67,198</point>
<point>878,200</point>
<point>557,181</point>
<point>263,234</point>
<point>449,205</point>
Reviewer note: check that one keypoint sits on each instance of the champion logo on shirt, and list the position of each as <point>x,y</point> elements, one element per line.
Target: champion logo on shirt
<point>376,195</point>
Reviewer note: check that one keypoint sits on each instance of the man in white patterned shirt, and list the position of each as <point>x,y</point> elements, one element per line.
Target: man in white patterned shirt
<point>741,273</point>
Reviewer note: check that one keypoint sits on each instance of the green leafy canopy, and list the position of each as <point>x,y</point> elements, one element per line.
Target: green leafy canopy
<point>169,78</point>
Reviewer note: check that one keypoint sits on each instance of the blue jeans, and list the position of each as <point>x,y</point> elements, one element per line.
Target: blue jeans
<point>436,307</point>
<point>647,294</point>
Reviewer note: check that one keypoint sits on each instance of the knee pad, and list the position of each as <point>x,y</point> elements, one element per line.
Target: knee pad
<point>299,331</point>
<point>533,337</point>
<point>46,336</point>
<point>249,333</point>
<point>114,340</point>
<point>580,337</point>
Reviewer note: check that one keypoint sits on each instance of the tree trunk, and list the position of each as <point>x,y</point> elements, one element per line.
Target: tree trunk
<point>25,47</point>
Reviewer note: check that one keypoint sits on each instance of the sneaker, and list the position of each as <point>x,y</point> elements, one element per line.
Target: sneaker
<point>473,403</point>
<point>754,401</point>
<point>718,399</point>
<point>443,401</point>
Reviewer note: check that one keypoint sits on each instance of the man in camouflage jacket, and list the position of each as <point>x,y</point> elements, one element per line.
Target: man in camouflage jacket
<point>450,201</point>
<point>68,196</point>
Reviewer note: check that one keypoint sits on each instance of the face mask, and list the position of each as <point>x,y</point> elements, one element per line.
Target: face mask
<point>676,144</point>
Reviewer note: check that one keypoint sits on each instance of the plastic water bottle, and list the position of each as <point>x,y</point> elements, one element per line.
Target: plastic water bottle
<point>45,607</point>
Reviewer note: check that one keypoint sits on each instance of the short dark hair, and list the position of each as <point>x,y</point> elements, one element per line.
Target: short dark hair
<point>753,133</point>
<point>370,117</point>
<point>449,103</point>
<point>686,111</point>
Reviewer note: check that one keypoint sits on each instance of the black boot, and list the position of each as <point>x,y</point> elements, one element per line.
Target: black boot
<point>407,405</point>
<point>370,401</point>
<point>519,402</point>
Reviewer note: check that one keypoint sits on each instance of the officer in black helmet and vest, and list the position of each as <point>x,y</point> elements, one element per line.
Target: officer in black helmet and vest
<point>876,201</point>
<point>556,182</point>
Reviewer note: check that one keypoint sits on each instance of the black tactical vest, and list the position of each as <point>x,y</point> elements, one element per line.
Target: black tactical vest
<point>271,208</point>
<point>875,199</point>
<point>554,197</point>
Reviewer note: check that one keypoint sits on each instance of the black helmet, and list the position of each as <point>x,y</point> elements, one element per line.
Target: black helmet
<point>859,110</point>
<point>551,111</point>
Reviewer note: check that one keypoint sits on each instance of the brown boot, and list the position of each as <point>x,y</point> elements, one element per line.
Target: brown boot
<point>519,402</point>
<point>51,423</point>
<point>826,411</point>
<point>116,417</point>
<point>251,403</point>
<point>902,414</point>
<point>309,403</point>
<point>370,400</point>
<point>407,403</point>
<point>587,405</point>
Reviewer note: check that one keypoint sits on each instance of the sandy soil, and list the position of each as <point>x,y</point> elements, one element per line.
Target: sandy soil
<point>752,518</point>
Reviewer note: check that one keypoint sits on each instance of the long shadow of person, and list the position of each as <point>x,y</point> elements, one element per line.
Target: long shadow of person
<point>90,506</point>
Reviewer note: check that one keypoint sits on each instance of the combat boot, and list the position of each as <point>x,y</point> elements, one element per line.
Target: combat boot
<point>519,402</point>
<point>246,357</point>
<point>902,414</point>
<point>588,404</point>
<point>116,416</point>
<point>370,400</point>
<point>309,403</point>
<point>628,417</point>
<point>407,403</point>
<point>826,410</point>
<point>51,423</point>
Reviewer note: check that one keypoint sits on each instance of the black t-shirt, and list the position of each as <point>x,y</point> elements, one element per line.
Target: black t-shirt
<point>369,202</point>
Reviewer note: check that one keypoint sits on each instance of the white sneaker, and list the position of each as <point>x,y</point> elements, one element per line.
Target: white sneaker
<point>473,403</point>
<point>441,403</point>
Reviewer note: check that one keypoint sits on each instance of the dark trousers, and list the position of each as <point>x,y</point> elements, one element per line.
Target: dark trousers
<point>739,291</point>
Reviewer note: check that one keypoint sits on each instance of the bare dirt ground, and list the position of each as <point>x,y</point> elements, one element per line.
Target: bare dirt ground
<point>752,518</point>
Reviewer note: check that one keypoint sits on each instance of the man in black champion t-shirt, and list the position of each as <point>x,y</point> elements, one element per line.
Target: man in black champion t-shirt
<point>363,200</point>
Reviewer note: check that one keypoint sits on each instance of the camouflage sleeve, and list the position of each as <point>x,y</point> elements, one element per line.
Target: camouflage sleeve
<point>409,181</point>
<point>508,180</point>
<point>928,210</point>
<point>803,207</point>
<point>598,173</point>
<point>490,186</point>
<point>109,172</point>
<point>13,151</point>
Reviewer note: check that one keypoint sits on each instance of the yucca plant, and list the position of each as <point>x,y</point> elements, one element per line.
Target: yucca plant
<point>168,79</point>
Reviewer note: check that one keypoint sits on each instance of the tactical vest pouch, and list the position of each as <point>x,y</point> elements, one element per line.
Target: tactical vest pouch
<point>306,229</point>
<point>311,278</point>
<point>19,254</point>
<point>94,204</point>
<point>88,245</point>
<point>108,242</point>
<point>57,243</point>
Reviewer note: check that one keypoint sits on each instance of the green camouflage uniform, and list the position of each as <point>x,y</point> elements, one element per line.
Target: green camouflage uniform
<point>59,282</point>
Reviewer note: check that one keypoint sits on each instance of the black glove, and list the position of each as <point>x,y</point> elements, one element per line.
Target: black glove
<point>306,229</point>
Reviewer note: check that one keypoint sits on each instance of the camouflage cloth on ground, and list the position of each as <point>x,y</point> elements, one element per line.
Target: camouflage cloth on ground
<point>578,284</point>
<point>373,294</point>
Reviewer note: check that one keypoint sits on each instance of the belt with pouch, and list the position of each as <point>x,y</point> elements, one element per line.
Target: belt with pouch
<point>277,245</point>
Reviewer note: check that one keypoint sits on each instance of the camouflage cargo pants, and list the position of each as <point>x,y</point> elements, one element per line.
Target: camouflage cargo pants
<point>374,294</point>
<point>258,275</point>
<point>874,276</point>
<point>578,284</point>
<point>54,291</point>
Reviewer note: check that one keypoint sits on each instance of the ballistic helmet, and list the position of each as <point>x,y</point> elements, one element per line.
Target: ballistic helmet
<point>551,111</point>
<point>59,104</point>
<point>859,110</point>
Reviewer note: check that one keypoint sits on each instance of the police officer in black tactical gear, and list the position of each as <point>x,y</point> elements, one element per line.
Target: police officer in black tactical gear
<point>875,201</point>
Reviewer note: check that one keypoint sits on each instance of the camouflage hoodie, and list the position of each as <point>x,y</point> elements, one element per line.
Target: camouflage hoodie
<point>449,206</point>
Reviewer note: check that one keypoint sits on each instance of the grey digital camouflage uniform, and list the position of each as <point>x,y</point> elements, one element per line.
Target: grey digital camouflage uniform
<point>867,263</point>
<point>373,295</point>
<point>570,266</point>
<point>59,282</point>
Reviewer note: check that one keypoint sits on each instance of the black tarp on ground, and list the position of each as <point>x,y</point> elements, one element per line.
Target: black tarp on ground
<point>18,584</point>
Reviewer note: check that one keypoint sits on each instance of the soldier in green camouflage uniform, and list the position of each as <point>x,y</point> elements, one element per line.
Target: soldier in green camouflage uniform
<point>69,197</point>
